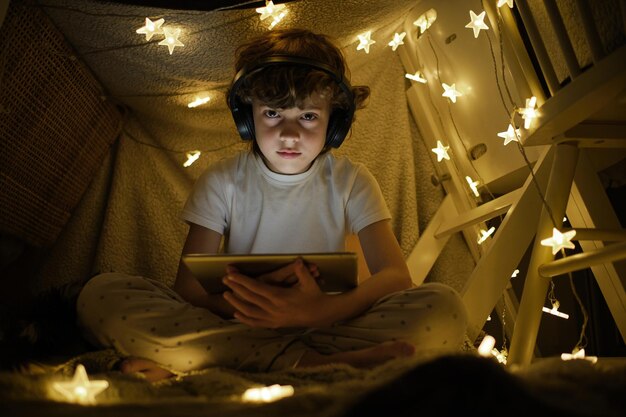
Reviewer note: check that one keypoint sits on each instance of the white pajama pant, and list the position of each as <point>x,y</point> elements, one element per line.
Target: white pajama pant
<point>142,317</point>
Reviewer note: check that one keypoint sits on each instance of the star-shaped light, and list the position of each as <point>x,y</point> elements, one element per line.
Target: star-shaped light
<point>171,39</point>
<point>555,310</point>
<point>559,240</point>
<point>529,112</point>
<point>503,2</point>
<point>270,10</point>
<point>397,40</point>
<point>578,354</point>
<point>441,151</point>
<point>510,135</point>
<point>473,185</point>
<point>426,20</point>
<point>191,158</point>
<point>514,274</point>
<point>267,394</point>
<point>151,28</point>
<point>501,355</point>
<point>450,92</point>
<point>484,234</point>
<point>365,41</point>
<point>418,76</point>
<point>80,389</point>
<point>488,342</point>
<point>199,101</point>
<point>477,23</point>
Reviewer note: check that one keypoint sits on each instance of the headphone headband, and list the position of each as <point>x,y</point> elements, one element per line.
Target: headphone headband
<point>340,119</point>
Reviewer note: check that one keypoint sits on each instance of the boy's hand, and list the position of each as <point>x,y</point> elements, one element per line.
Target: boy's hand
<point>259,304</point>
<point>284,277</point>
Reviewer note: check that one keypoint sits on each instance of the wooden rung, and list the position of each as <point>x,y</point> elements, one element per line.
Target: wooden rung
<point>479,214</point>
<point>609,253</point>
<point>604,235</point>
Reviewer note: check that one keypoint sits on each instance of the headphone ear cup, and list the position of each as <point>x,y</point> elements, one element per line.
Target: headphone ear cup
<point>242,115</point>
<point>338,128</point>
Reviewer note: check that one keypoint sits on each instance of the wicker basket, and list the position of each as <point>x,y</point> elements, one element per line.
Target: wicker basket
<point>55,129</point>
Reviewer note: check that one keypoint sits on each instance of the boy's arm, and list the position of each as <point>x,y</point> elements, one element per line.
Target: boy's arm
<point>200,240</point>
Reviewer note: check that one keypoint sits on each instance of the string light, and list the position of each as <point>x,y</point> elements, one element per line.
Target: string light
<point>171,39</point>
<point>418,76</point>
<point>80,389</point>
<point>198,102</point>
<point>515,273</point>
<point>503,2</point>
<point>578,354</point>
<point>151,28</point>
<point>484,234</point>
<point>425,20</point>
<point>450,92</point>
<point>397,40</point>
<point>473,185</point>
<point>191,158</point>
<point>441,151</point>
<point>365,41</point>
<point>529,112</point>
<point>488,342</point>
<point>510,135</point>
<point>477,23</point>
<point>555,310</point>
<point>559,240</point>
<point>268,394</point>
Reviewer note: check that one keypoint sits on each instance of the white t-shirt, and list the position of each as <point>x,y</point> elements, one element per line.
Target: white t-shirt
<point>260,211</point>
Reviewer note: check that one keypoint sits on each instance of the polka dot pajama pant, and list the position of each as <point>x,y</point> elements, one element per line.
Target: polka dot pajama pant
<point>144,318</point>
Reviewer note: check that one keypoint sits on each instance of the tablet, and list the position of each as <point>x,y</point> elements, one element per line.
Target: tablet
<point>338,270</point>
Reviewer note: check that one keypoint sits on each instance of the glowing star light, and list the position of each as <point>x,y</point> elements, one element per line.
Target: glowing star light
<point>510,135</point>
<point>151,28</point>
<point>484,349</point>
<point>559,240</point>
<point>529,112</point>
<point>171,39</point>
<point>397,40</point>
<point>198,102</point>
<point>514,274</point>
<point>484,234</point>
<point>365,41</point>
<point>503,2</point>
<point>80,389</point>
<point>418,76</point>
<point>578,354</point>
<point>555,310</point>
<point>473,185</point>
<point>267,394</point>
<point>191,158</point>
<point>270,10</point>
<point>450,92</point>
<point>441,151</point>
<point>477,23</point>
<point>426,20</point>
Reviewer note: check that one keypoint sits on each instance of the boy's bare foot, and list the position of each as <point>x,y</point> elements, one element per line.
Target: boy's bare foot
<point>151,370</point>
<point>363,358</point>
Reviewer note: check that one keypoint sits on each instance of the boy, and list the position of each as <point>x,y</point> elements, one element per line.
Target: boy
<point>291,97</point>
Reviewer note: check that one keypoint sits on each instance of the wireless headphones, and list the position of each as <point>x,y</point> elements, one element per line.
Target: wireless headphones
<point>340,119</point>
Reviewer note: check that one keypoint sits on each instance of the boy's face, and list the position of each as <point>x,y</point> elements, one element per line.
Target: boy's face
<point>290,139</point>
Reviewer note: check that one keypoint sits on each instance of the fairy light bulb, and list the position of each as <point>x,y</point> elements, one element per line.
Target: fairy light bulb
<point>507,2</point>
<point>559,240</point>
<point>425,20</point>
<point>578,354</point>
<point>199,101</point>
<point>555,310</point>
<point>450,92</point>
<point>418,76</point>
<point>271,10</point>
<point>80,389</point>
<point>510,135</point>
<point>191,158</point>
<point>484,349</point>
<point>365,41</point>
<point>529,113</point>
<point>171,39</point>
<point>484,234</point>
<point>477,23</point>
<point>268,394</point>
<point>151,28</point>
<point>397,40</point>
<point>441,151</point>
<point>473,185</point>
